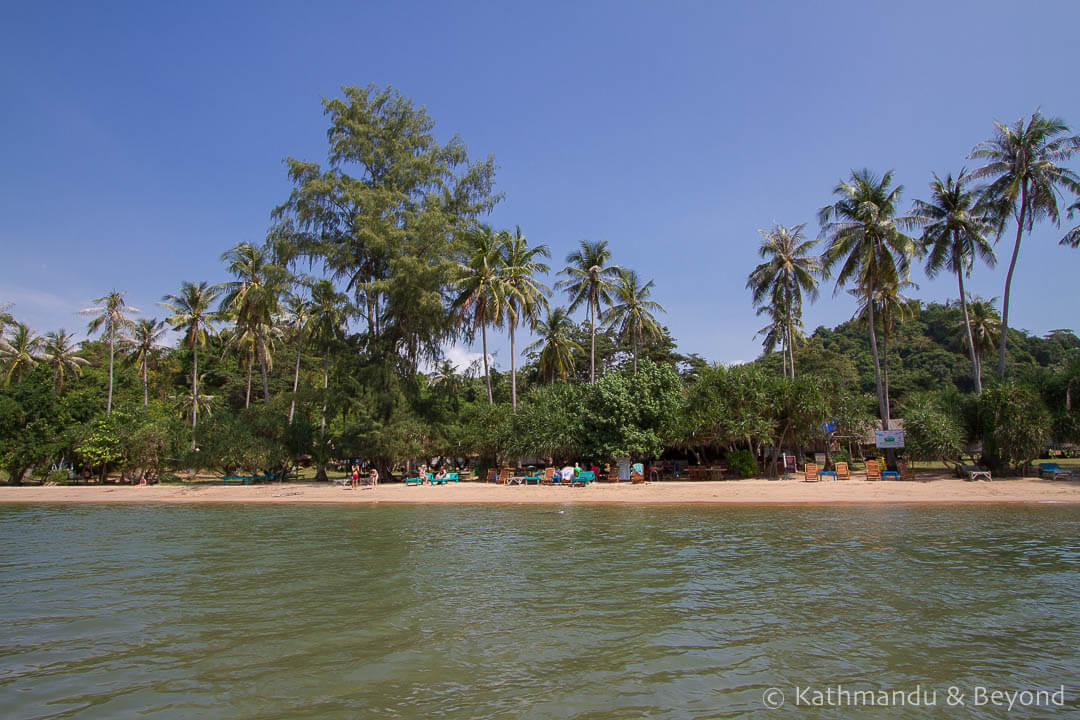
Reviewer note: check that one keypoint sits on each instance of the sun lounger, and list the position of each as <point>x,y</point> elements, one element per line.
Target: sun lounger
<point>904,468</point>
<point>843,472</point>
<point>1053,471</point>
<point>873,470</point>
<point>810,473</point>
<point>974,472</point>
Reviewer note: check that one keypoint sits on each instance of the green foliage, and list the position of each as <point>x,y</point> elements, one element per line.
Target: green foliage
<point>101,442</point>
<point>742,463</point>
<point>931,431</point>
<point>1015,425</point>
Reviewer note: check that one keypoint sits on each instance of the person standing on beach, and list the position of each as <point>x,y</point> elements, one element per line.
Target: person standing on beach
<point>374,478</point>
<point>355,476</point>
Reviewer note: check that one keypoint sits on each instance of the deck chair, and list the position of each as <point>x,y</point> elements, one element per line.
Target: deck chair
<point>549,476</point>
<point>492,475</point>
<point>637,473</point>
<point>873,470</point>
<point>903,467</point>
<point>842,471</point>
<point>613,475</point>
<point>810,473</point>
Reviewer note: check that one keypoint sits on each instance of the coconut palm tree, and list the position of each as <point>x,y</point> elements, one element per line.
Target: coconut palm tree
<point>481,298</point>
<point>1025,173</point>
<point>955,230</point>
<point>20,353</point>
<point>891,308</point>
<point>191,314</point>
<point>862,231</point>
<point>145,342</point>
<point>525,295</point>
<point>1071,239</point>
<point>556,345</point>
<point>631,315</point>
<point>253,300</point>
<point>61,353</point>
<point>113,320</point>
<point>5,317</point>
<point>589,281</point>
<point>776,332</point>
<point>789,270</point>
<point>983,327</point>
<point>329,314</point>
<point>296,318</point>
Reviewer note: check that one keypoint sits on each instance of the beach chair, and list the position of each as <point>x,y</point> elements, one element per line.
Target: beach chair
<point>492,475</point>
<point>583,478</point>
<point>413,481</point>
<point>904,468</point>
<point>873,470</point>
<point>810,473</point>
<point>637,473</point>
<point>613,475</point>
<point>1053,471</point>
<point>548,477</point>
<point>842,471</point>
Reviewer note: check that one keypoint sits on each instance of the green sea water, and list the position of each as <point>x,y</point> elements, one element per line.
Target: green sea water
<point>534,612</point>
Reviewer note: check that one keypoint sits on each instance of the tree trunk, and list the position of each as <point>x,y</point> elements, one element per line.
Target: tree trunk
<point>325,385</point>
<point>295,382</point>
<point>592,351</point>
<point>635,354</point>
<point>145,385</point>
<point>247,398</point>
<point>1008,280</point>
<point>262,365</point>
<point>885,366</point>
<point>791,345</point>
<point>194,393</point>
<point>883,405</point>
<point>487,373</point>
<point>513,372</point>
<point>967,328</point>
<point>108,403</point>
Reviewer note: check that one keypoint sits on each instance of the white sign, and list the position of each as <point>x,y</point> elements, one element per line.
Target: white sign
<point>889,438</point>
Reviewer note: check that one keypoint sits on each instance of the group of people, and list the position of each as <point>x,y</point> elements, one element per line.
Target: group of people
<point>373,477</point>
<point>569,472</point>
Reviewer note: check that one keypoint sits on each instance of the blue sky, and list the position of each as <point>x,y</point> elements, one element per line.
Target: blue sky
<point>141,140</point>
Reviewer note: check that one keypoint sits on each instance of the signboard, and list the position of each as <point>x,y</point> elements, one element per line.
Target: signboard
<point>889,438</point>
<point>789,463</point>
<point>819,458</point>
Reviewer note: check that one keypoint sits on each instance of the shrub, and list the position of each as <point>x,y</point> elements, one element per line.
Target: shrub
<point>742,463</point>
<point>1015,425</point>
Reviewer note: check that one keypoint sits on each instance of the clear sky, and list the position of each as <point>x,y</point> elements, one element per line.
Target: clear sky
<point>141,140</point>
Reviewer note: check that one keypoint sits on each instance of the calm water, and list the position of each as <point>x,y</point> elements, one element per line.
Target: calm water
<point>538,612</point>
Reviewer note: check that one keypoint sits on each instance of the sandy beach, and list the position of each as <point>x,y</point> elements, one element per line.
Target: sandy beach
<point>750,492</point>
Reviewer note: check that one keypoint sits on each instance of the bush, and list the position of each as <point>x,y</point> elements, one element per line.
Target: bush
<point>932,433</point>
<point>742,463</point>
<point>60,477</point>
<point>1015,424</point>
<point>840,455</point>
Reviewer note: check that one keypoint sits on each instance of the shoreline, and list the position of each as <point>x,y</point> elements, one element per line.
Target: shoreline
<point>945,491</point>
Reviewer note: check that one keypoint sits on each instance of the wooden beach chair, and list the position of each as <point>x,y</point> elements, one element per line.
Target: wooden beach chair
<point>904,468</point>
<point>613,475</point>
<point>873,470</point>
<point>810,473</point>
<point>549,476</point>
<point>842,471</point>
<point>492,475</point>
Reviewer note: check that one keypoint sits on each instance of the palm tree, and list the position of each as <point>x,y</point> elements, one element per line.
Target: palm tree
<point>252,300</point>
<point>788,270</point>
<point>1023,164</point>
<point>481,299</point>
<point>1071,239</point>
<point>5,318</point>
<point>955,230</point>
<point>20,353</point>
<point>145,342</point>
<point>891,307</point>
<point>525,295</point>
<point>114,321</point>
<point>984,329</point>
<point>556,345</point>
<point>296,317</point>
<point>776,332</point>
<point>589,281</point>
<point>326,326</point>
<point>62,354</point>
<point>631,313</point>
<point>191,313</point>
<point>862,234</point>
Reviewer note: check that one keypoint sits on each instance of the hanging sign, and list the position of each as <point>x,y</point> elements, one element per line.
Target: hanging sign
<point>889,438</point>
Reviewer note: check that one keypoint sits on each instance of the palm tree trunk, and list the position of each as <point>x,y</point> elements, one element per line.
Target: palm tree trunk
<point>247,398</point>
<point>967,328</point>
<point>145,385</point>
<point>883,405</point>
<point>513,372</point>
<point>194,394</point>
<point>325,385</point>
<point>295,382</point>
<point>885,365</point>
<point>635,354</point>
<point>592,351</point>
<point>1008,281</point>
<point>791,344</point>
<point>262,364</point>
<point>108,403</point>
<point>487,374</point>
